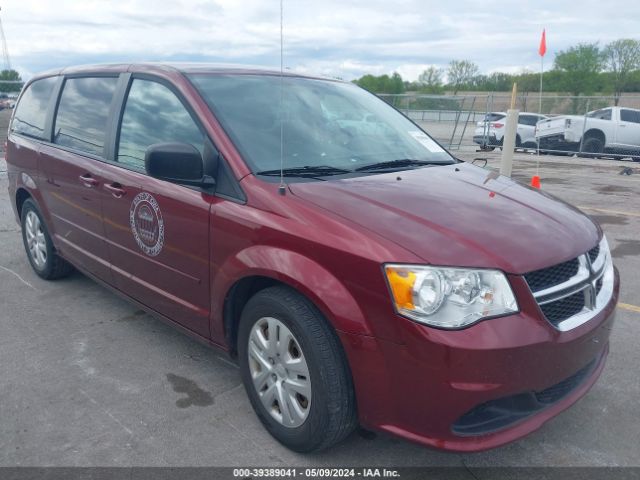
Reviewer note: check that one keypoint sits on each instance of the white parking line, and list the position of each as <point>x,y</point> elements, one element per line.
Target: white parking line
<point>631,308</point>
<point>613,212</point>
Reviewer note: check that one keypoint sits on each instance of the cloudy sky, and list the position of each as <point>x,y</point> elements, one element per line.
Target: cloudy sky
<point>344,38</point>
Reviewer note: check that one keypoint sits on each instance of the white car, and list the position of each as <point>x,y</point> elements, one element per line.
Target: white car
<point>608,130</point>
<point>489,133</point>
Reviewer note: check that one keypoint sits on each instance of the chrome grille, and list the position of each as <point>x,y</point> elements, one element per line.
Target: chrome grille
<point>548,277</point>
<point>572,292</point>
<point>564,308</point>
<point>599,285</point>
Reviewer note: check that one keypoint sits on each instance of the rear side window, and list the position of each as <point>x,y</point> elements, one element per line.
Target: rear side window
<point>82,113</point>
<point>630,115</point>
<point>31,112</point>
<point>153,114</point>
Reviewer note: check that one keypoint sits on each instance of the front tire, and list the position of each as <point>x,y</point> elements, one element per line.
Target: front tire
<point>295,371</point>
<point>38,245</point>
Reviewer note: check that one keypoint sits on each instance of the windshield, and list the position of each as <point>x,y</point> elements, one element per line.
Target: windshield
<point>327,124</point>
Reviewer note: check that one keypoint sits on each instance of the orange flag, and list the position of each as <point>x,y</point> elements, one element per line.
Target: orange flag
<point>543,44</point>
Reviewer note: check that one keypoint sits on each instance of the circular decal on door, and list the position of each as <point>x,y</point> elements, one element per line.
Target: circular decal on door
<point>146,223</point>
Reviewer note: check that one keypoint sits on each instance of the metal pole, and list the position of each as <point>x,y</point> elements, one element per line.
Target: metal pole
<point>540,113</point>
<point>485,128</point>
<point>455,126</point>
<point>509,139</point>
<point>540,102</point>
<point>464,129</point>
<point>584,126</point>
<point>5,48</point>
<point>541,70</point>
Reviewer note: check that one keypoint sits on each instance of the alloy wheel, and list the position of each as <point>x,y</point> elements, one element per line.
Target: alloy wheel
<point>36,241</point>
<point>279,372</point>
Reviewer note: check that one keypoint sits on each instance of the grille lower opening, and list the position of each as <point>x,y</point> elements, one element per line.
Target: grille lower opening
<point>501,413</point>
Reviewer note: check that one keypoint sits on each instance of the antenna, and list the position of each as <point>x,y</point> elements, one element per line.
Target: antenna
<point>282,189</point>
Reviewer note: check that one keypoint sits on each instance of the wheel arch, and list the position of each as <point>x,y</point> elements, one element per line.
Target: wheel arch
<point>260,267</point>
<point>596,133</point>
<point>26,188</point>
<point>22,195</point>
<point>236,298</point>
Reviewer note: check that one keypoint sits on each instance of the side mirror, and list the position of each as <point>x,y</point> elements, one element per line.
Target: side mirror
<point>178,163</point>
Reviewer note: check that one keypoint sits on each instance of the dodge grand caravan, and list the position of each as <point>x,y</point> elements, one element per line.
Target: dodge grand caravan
<point>358,272</point>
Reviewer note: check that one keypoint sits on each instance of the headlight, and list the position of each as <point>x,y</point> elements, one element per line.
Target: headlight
<point>449,297</point>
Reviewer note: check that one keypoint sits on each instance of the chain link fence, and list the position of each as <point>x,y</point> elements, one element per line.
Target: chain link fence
<point>587,126</point>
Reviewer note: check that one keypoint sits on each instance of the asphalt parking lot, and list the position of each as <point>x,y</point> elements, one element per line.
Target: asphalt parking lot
<point>86,379</point>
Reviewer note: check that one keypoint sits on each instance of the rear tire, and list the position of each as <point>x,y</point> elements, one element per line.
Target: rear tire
<point>37,243</point>
<point>318,409</point>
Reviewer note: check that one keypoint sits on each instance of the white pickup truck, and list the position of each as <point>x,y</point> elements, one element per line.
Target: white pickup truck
<point>613,130</point>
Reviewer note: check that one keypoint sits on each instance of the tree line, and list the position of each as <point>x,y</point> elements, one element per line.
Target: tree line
<point>12,76</point>
<point>583,69</point>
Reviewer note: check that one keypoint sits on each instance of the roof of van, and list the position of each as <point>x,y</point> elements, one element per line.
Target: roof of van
<point>150,67</point>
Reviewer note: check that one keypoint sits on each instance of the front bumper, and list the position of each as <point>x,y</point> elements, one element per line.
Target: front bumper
<point>435,383</point>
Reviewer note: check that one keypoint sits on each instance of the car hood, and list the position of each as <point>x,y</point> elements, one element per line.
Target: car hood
<point>460,215</point>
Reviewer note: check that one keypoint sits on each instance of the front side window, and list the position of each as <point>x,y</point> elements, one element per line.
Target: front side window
<point>31,112</point>
<point>153,114</point>
<point>630,115</point>
<point>325,124</point>
<point>83,111</point>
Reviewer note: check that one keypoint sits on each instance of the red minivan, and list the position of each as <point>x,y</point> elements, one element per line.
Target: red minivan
<point>358,272</point>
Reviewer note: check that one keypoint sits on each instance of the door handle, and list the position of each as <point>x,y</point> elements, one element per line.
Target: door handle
<point>115,189</point>
<point>88,181</point>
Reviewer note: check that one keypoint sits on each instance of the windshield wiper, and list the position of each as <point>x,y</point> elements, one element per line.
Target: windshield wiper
<point>306,171</point>
<point>395,164</point>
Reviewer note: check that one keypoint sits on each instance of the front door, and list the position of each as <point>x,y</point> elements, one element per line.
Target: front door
<point>628,130</point>
<point>157,231</point>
